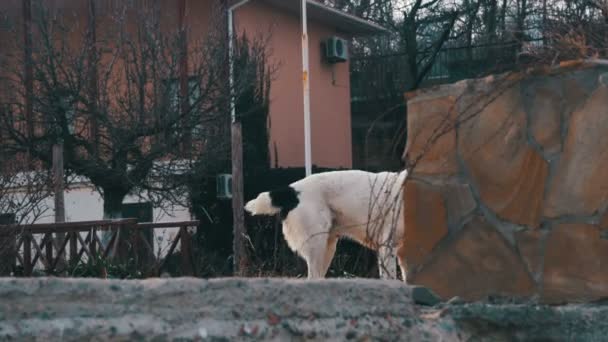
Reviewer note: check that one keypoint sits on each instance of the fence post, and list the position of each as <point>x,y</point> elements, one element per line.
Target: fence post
<point>27,254</point>
<point>119,251</point>
<point>73,249</point>
<point>48,247</point>
<point>186,247</point>
<point>93,244</point>
<point>134,253</point>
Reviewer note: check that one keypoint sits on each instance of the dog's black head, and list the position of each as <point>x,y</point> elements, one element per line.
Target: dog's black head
<point>285,198</point>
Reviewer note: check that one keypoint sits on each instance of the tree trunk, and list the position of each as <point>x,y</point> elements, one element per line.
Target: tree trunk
<point>238,219</point>
<point>491,21</point>
<point>503,16</point>
<point>58,185</point>
<point>8,246</point>
<point>29,69</point>
<point>184,93</point>
<point>93,79</point>
<point>521,21</point>
<point>491,29</point>
<point>112,209</point>
<point>472,16</point>
<point>112,204</point>
<point>411,47</point>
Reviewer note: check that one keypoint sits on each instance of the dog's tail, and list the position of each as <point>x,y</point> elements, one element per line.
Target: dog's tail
<point>262,205</point>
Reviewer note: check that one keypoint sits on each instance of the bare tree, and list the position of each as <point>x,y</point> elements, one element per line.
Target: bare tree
<point>131,104</point>
<point>417,29</point>
<point>23,191</point>
<point>23,194</point>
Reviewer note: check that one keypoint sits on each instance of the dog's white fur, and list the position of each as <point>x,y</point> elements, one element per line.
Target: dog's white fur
<point>363,206</point>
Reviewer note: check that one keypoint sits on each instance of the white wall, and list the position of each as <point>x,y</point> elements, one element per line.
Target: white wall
<point>84,203</point>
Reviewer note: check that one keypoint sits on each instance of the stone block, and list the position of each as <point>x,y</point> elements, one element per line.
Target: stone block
<point>577,87</point>
<point>509,174</point>
<point>459,202</point>
<point>576,264</point>
<point>604,220</point>
<point>425,221</point>
<point>544,105</point>
<point>424,296</point>
<point>530,245</point>
<point>432,136</point>
<point>479,262</point>
<point>580,185</point>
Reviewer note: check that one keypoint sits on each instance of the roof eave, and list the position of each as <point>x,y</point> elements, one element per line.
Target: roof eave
<point>341,21</point>
<point>359,26</point>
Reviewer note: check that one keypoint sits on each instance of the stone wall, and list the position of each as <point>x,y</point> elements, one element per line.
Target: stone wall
<point>509,192</point>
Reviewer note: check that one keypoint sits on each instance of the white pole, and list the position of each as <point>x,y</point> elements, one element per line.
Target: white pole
<point>231,57</point>
<point>306,84</point>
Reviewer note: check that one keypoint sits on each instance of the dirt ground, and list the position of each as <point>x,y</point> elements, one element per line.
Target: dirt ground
<point>54,309</point>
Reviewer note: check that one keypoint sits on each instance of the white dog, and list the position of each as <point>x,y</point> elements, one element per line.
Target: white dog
<point>319,209</point>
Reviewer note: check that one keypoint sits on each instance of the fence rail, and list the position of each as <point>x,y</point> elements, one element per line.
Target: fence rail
<point>389,74</point>
<point>60,246</point>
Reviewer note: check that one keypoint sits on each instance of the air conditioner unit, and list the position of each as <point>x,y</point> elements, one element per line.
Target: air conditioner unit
<point>224,186</point>
<point>336,50</point>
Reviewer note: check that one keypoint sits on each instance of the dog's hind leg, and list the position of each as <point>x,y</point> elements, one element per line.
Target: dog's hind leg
<point>402,261</point>
<point>387,263</point>
<point>329,253</point>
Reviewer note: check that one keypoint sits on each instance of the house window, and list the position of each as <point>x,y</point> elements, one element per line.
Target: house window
<point>173,93</point>
<point>9,218</point>
<point>67,105</point>
<point>5,22</point>
<point>173,96</point>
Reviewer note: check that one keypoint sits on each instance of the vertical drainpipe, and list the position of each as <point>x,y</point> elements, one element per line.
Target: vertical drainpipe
<point>231,56</point>
<point>306,90</point>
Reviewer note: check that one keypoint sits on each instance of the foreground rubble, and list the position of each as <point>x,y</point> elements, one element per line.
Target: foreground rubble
<point>271,309</point>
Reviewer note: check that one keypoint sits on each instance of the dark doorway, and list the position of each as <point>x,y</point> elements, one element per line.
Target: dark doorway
<point>141,211</point>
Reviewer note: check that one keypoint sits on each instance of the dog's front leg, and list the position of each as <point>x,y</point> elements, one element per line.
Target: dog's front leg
<point>318,253</point>
<point>314,262</point>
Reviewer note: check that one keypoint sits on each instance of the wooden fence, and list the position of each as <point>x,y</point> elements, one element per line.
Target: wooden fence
<point>57,247</point>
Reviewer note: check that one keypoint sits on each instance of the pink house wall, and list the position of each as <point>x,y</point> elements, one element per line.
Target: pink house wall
<point>329,90</point>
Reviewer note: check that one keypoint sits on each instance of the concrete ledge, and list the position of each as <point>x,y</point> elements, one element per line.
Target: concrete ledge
<point>264,309</point>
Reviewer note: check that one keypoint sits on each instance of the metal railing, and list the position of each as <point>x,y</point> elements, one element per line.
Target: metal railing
<point>385,76</point>
<point>54,248</point>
